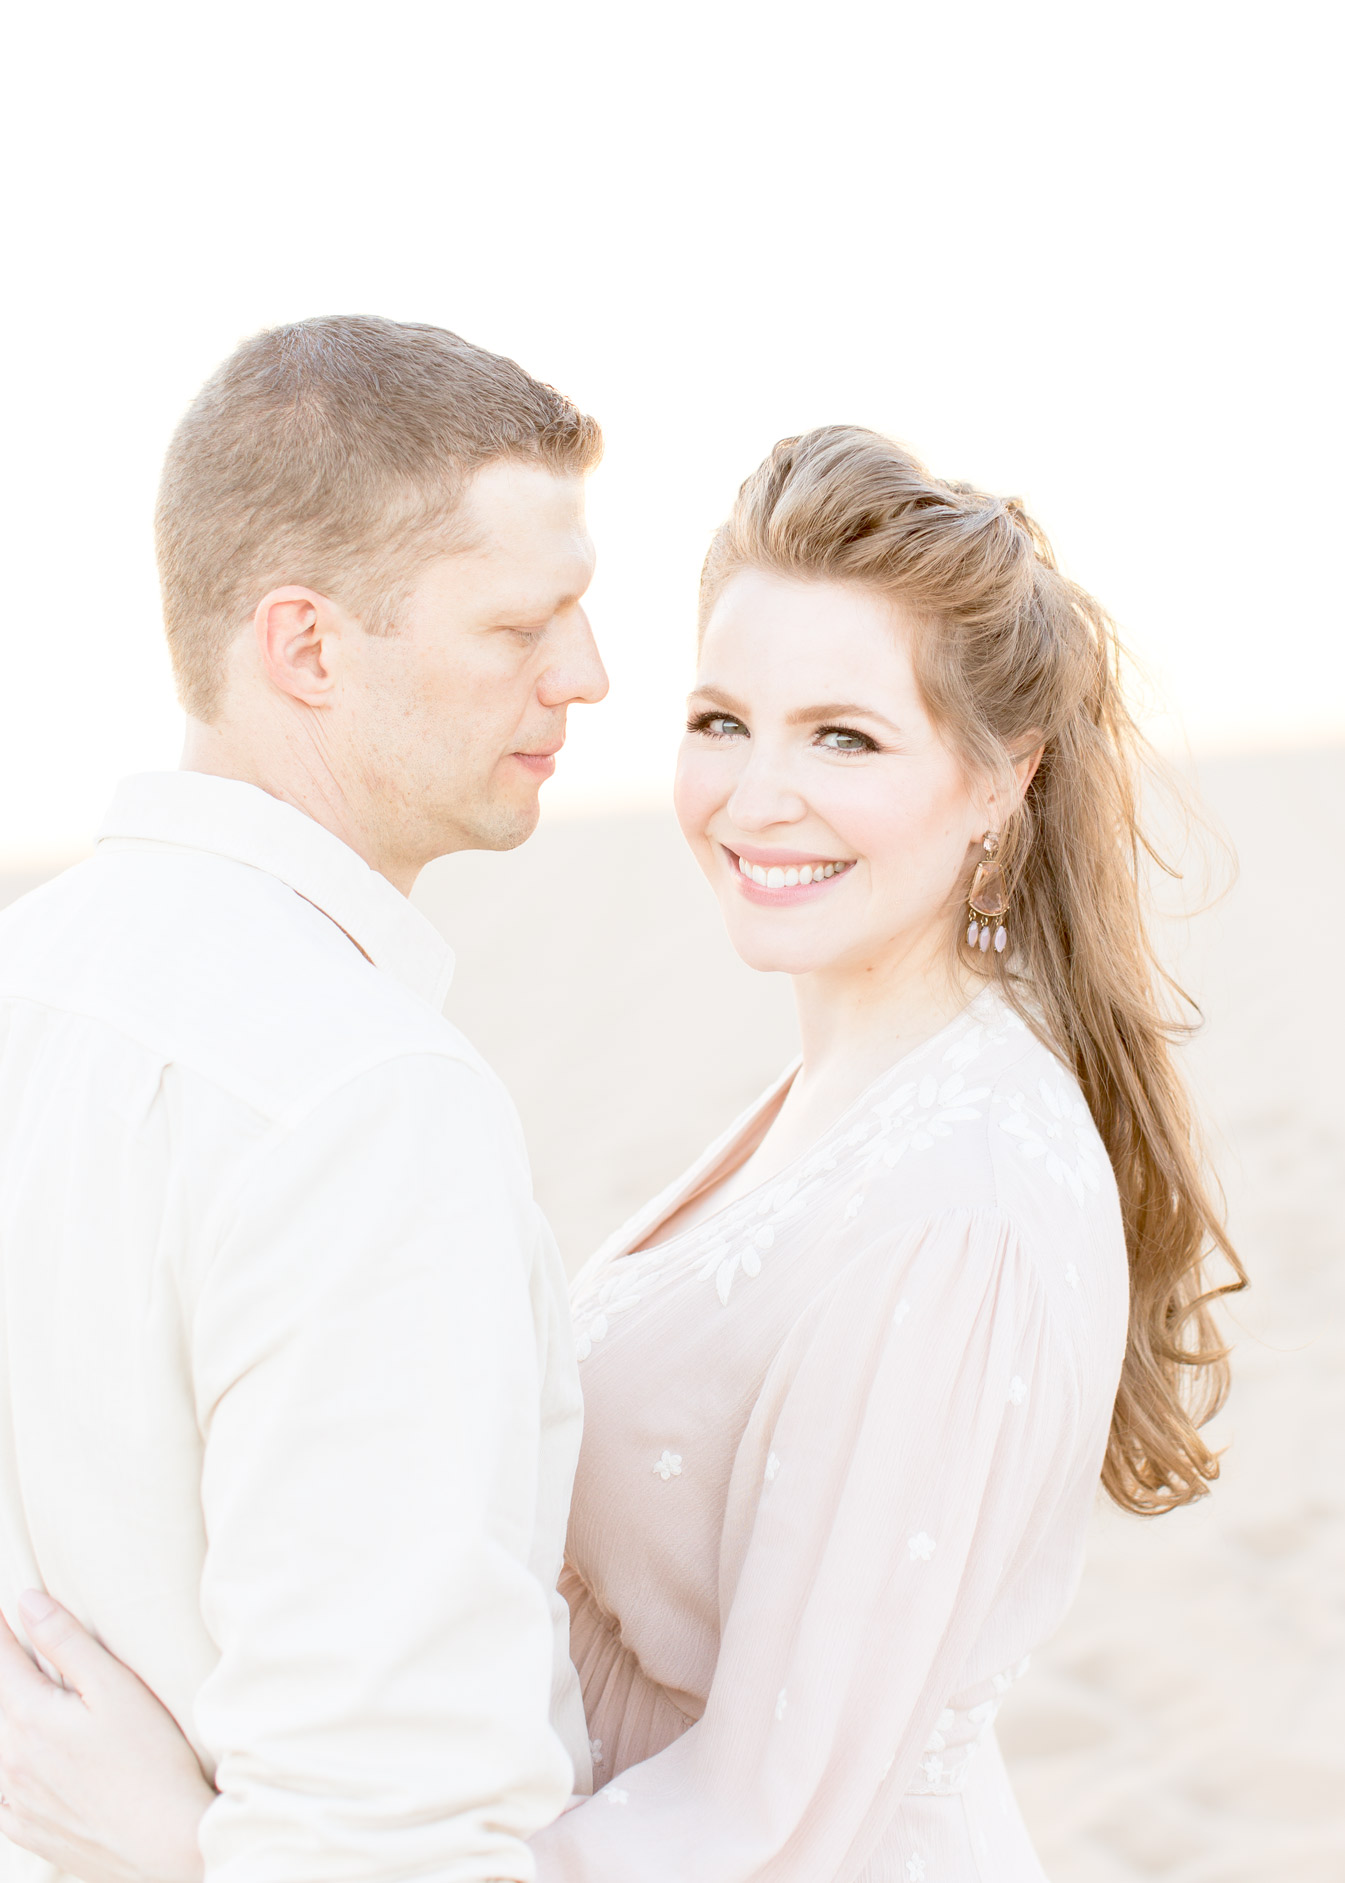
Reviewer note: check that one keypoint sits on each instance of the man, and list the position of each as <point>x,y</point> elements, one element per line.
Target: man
<point>289,1412</point>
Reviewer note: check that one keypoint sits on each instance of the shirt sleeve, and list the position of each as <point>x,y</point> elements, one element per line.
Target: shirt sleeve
<point>914,1434</point>
<point>366,1370</point>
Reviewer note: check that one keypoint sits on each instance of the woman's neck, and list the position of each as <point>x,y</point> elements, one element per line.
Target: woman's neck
<point>854,1025</point>
<point>854,1022</point>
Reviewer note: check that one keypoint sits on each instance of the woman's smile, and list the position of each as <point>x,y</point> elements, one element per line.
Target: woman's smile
<point>776,879</point>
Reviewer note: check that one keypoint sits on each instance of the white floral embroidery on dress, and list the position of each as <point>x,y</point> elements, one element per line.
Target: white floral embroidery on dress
<point>921,1546</point>
<point>615,1795</point>
<point>1017,1391</point>
<point>911,1117</point>
<point>595,1751</point>
<point>781,1704</point>
<point>916,1116</point>
<point>669,1466</point>
<point>1002,1682</point>
<point>1060,1130</point>
<point>965,1048</point>
<point>1071,1275</point>
<point>772,1468</point>
<point>726,1271</point>
<point>900,1312</point>
<point>915,1867</point>
<point>956,1738</point>
<point>592,1314</point>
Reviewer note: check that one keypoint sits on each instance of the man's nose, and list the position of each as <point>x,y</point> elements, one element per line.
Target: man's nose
<point>578,674</point>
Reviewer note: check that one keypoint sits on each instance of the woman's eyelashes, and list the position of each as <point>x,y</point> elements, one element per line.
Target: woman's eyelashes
<point>846,740</point>
<point>716,725</point>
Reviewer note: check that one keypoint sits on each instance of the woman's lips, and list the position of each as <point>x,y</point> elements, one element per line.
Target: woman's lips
<point>777,879</point>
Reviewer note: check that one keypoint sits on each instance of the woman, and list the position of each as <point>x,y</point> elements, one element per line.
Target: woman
<point>850,1382</point>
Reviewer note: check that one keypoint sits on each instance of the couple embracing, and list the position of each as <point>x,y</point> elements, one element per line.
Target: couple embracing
<point>308,1573</point>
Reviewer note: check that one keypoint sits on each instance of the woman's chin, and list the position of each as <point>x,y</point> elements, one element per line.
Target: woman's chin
<point>777,954</point>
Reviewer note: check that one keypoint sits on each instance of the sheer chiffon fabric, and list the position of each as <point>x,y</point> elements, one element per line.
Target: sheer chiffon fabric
<point>842,1442</point>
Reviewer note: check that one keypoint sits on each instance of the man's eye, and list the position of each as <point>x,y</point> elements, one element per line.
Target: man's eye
<point>716,725</point>
<point>846,739</point>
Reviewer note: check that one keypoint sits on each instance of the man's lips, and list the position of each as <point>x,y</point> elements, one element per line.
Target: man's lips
<point>541,764</point>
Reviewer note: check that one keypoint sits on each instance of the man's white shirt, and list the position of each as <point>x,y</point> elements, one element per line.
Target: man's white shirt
<point>289,1410</point>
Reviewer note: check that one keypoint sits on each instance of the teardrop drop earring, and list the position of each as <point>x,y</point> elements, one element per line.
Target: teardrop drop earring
<point>988,900</point>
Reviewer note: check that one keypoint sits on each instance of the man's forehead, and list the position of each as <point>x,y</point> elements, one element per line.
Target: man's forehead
<point>535,567</point>
<point>525,514</point>
<point>509,504</point>
<point>523,582</point>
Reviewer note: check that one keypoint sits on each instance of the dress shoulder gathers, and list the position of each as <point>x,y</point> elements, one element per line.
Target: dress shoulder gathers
<point>842,1444</point>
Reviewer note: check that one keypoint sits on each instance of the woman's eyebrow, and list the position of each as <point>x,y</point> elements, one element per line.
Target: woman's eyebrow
<point>717,697</point>
<point>840,709</point>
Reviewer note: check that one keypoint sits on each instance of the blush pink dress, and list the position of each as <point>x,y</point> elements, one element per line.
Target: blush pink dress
<point>842,1443</point>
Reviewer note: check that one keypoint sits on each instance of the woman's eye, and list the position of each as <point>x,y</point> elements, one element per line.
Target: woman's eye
<point>845,739</point>
<point>716,725</point>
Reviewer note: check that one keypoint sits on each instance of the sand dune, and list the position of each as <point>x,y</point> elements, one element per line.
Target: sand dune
<point>1188,1723</point>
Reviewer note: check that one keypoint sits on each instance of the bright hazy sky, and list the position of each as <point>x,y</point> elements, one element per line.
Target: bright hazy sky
<point>1079,253</point>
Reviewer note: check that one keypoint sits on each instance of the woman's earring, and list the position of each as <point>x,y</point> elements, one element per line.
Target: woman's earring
<point>988,900</point>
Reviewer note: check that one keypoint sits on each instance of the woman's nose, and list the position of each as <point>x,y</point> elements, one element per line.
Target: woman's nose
<point>765,794</point>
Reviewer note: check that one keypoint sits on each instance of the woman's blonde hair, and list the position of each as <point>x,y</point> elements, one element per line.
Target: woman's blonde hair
<point>1012,656</point>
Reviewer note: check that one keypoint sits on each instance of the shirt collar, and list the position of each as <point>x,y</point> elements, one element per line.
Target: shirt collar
<point>225,817</point>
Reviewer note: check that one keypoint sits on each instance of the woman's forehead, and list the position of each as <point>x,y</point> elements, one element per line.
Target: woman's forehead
<point>783,636</point>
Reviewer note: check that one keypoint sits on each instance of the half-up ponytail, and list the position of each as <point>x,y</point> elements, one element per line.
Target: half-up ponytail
<point>1011,656</point>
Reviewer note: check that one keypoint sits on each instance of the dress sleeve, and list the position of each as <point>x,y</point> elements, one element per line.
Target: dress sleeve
<point>912,1437</point>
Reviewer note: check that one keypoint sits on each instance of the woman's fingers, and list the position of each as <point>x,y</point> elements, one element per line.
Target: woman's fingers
<point>61,1641</point>
<point>100,1782</point>
<point>19,1679</point>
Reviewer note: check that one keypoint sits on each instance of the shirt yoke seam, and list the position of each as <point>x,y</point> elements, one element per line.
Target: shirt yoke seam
<point>277,1115</point>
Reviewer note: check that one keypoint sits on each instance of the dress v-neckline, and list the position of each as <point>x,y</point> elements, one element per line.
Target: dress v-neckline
<point>631,1239</point>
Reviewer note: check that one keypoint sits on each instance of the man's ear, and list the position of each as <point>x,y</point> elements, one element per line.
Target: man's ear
<point>299,635</point>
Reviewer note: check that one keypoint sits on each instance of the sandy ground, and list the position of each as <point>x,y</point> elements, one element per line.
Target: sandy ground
<point>1188,1722</point>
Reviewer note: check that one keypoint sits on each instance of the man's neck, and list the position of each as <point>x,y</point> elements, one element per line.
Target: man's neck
<point>295,779</point>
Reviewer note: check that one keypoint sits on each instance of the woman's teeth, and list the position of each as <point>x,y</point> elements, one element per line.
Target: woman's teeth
<point>792,878</point>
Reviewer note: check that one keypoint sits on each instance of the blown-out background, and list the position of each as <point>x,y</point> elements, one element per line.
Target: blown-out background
<point>1081,254</point>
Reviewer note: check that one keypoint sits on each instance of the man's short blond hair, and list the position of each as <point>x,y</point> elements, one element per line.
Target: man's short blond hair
<point>332,454</point>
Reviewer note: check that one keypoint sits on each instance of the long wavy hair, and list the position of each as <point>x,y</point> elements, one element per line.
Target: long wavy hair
<point>1012,656</point>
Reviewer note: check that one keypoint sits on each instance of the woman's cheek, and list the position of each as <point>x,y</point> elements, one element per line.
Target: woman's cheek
<point>699,790</point>
<point>903,840</point>
<point>864,817</point>
<point>919,858</point>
